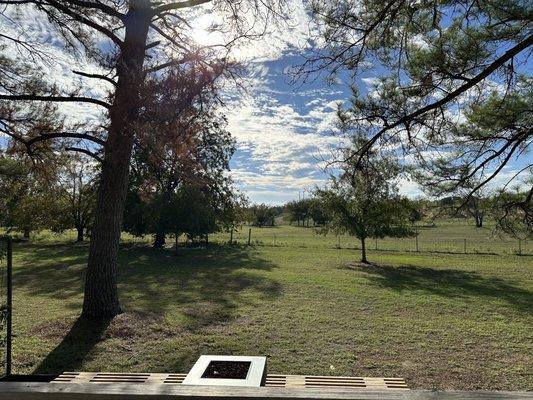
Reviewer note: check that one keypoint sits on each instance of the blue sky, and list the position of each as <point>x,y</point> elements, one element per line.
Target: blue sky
<point>284,130</point>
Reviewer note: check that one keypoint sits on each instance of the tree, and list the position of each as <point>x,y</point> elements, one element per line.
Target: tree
<point>77,181</point>
<point>305,210</point>
<point>513,215</point>
<point>460,200</point>
<point>299,210</point>
<point>318,212</point>
<point>129,41</point>
<point>262,215</point>
<point>184,144</point>
<point>28,197</point>
<point>438,62</point>
<point>477,207</point>
<point>364,202</point>
<point>415,210</point>
<point>457,171</point>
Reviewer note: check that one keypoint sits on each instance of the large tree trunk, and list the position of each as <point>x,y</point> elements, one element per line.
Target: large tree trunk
<point>27,233</point>
<point>479,221</point>
<point>101,294</point>
<point>363,251</point>
<point>160,239</point>
<point>80,234</point>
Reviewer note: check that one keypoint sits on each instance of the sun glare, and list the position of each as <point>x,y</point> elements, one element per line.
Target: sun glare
<point>203,33</point>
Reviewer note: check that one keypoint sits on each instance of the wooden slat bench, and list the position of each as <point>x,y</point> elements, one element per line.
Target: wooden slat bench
<point>273,380</point>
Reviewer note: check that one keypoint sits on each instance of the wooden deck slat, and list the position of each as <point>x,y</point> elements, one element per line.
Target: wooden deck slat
<point>45,391</point>
<point>272,380</point>
<point>362,384</point>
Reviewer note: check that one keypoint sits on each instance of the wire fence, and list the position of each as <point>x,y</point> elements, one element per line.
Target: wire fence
<point>273,237</point>
<point>474,244</point>
<point>458,246</point>
<point>439,240</point>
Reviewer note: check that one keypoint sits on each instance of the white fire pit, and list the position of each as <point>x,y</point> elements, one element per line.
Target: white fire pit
<point>228,371</point>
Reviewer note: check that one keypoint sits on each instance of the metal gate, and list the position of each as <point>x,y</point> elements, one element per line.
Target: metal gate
<point>6,289</point>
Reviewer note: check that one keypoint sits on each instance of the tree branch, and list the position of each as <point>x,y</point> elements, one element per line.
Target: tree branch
<point>82,19</point>
<point>86,152</point>
<point>508,55</point>
<point>177,6</point>
<point>48,136</point>
<point>65,99</point>
<point>96,76</point>
<point>97,6</point>
<point>168,64</point>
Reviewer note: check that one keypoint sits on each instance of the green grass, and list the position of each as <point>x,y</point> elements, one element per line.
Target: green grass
<point>446,236</point>
<point>439,320</point>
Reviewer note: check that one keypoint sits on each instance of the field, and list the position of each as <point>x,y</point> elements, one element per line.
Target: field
<point>448,236</point>
<point>438,319</point>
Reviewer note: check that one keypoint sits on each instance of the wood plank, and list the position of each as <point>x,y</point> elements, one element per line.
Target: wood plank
<point>273,380</point>
<point>295,381</point>
<point>69,391</point>
<point>310,378</point>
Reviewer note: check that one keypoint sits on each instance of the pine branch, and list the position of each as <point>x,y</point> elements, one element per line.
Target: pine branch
<point>499,62</point>
<point>86,152</point>
<point>179,5</point>
<point>65,99</point>
<point>96,76</point>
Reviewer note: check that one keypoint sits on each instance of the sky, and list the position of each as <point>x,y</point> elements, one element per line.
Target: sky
<point>284,130</point>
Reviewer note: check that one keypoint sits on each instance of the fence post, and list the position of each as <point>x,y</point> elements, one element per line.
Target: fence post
<point>9,319</point>
<point>416,237</point>
<point>339,241</point>
<point>231,236</point>
<point>376,243</point>
<point>519,247</point>
<point>465,245</point>
<point>249,236</point>
<point>274,240</point>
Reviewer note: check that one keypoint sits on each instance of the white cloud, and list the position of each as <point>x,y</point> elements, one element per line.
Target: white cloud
<point>409,188</point>
<point>282,145</point>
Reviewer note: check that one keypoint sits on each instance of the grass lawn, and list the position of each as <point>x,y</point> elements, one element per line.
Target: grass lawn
<point>445,236</point>
<point>438,320</point>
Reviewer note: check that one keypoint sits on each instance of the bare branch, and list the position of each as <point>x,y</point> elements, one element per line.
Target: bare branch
<point>65,99</point>
<point>178,5</point>
<point>96,76</point>
<point>82,19</point>
<point>86,152</point>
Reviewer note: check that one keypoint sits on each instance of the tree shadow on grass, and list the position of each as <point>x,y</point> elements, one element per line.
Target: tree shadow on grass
<point>52,271</point>
<point>448,283</point>
<point>207,284</point>
<point>195,287</point>
<point>70,354</point>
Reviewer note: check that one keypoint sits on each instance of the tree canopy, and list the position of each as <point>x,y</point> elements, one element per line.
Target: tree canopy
<point>454,90</point>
